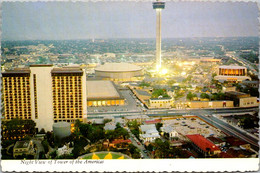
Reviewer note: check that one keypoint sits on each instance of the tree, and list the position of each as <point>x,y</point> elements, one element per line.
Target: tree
<point>18,128</point>
<point>50,138</point>
<point>204,96</point>
<point>42,131</point>
<point>45,145</point>
<point>189,96</point>
<point>158,126</point>
<point>134,151</point>
<point>53,154</point>
<point>159,92</point>
<point>107,121</point>
<point>149,147</point>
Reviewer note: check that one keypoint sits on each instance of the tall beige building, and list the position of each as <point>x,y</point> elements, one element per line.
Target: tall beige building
<point>45,94</point>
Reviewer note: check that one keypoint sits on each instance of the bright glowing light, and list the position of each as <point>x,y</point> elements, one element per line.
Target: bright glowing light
<point>164,71</point>
<point>180,64</point>
<point>183,73</point>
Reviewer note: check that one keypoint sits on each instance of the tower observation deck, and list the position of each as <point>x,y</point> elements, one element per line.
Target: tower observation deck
<point>158,6</point>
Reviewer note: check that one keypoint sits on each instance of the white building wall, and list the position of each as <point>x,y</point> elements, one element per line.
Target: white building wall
<point>44,97</point>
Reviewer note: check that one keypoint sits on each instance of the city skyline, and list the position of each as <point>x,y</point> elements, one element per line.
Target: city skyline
<point>81,20</point>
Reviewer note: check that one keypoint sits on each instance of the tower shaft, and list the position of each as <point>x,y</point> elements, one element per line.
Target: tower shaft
<point>158,39</point>
<point>158,6</point>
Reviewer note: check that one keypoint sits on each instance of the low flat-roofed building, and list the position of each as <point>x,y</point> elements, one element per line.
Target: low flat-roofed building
<point>161,102</point>
<point>142,94</point>
<point>210,104</point>
<point>203,145</point>
<point>236,142</point>
<point>254,84</point>
<point>23,147</point>
<point>103,93</point>
<point>139,118</point>
<point>248,102</point>
<point>217,141</point>
<point>236,94</point>
<point>242,99</point>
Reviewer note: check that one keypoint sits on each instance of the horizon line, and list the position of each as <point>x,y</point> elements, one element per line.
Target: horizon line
<point>125,38</point>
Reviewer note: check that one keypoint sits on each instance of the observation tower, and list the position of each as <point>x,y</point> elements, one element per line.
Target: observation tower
<point>158,6</point>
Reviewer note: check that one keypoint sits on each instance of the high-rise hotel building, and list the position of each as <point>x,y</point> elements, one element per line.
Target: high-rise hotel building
<point>45,94</point>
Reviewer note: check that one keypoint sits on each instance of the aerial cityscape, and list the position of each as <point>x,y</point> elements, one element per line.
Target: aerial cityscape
<point>109,93</point>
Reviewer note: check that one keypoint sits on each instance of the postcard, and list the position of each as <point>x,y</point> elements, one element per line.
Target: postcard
<point>131,86</point>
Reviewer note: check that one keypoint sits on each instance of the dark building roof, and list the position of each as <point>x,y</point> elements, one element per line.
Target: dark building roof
<point>164,98</point>
<point>142,92</point>
<point>41,65</point>
<point>215,140</point>
<point>233,141</point>
<point>236,94</point>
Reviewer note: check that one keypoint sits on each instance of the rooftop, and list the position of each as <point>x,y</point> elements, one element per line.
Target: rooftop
<point>22,144</point>
<point>142,92</point>
<point>232,67</point>
<point>235,141</point>
<point>15,71</point>
<point>102,90</point>
<point>236,93</point>
<point>67,70</point>
<point>41,65</point>
<point>152,121</point>
<point>202,143</point>
<point>164,98</point>
<point>145,128</point>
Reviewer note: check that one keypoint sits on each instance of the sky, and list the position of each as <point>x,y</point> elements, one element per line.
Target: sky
<point>102,20</point>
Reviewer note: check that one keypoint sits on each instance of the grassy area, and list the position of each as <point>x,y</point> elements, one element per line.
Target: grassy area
<point>103,155</point>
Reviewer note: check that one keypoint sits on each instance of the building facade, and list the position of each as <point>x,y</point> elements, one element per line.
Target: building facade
<point>232,74</point>
<point>45,94</point>
<point>103,93</point>
<point>161,102</point>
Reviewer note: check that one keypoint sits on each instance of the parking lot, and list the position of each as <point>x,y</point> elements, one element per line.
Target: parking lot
<point>187,126</point>
<point>131,104</point>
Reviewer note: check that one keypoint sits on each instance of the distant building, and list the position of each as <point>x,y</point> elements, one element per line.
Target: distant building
<point>65,150</point>
<point>203,145</point>
<point>149,133</point>
<point>142,95</point>
<point>217,141</point>
<point>103,93</point>
<point>227,89</point>
<point>169,130</point>
<point>210,104</point>
<point>155,121</point>
<point>23,148</point>
<point>139,118</point>
<point>236,142</point>
<point>232,74</point>
<point>161,102</point>
<point>110,126</point>
<point>242,99</point>
<point>45,94</point>
<point>121,143</point>
<point>254,84</point>
<point>119,72</point>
